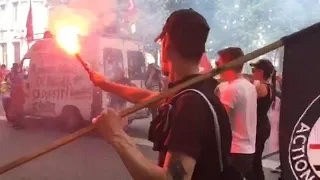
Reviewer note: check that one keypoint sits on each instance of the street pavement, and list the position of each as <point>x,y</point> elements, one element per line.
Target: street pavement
<point>89,157</point>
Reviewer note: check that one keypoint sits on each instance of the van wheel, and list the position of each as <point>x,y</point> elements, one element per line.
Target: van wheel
<point>70,119</point>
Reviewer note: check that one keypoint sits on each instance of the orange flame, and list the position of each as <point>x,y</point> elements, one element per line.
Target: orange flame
<point>67,38</point>
<point>67,24</point>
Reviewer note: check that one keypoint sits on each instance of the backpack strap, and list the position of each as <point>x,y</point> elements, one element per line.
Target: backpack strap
<point>215,120</point>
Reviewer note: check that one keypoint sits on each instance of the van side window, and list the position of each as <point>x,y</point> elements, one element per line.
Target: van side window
<point>25,68</point>
<point>136,65</point>
<point>112,58</point>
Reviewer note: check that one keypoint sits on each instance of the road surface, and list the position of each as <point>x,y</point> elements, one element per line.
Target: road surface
<point>87,158</point>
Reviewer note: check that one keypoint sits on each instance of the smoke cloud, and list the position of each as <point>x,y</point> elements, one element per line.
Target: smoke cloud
<point>91,15</point>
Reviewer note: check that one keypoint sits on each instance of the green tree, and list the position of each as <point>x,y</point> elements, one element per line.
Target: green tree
<point>249,24</point>
<point>151,16</point>
<point>254,23</point>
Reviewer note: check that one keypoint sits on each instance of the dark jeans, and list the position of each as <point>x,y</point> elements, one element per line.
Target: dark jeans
<point>263,133</point>
<point>239,166</point>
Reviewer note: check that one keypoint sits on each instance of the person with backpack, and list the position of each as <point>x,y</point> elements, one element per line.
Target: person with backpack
<point>192,131</point>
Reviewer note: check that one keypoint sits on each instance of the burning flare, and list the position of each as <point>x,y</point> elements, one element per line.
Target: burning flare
<point>67,24</point>
<point>67,38</point>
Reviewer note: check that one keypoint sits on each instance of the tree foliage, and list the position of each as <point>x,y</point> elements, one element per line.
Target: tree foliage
<point>249,24</point>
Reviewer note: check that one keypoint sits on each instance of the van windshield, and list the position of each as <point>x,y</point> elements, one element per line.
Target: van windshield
<point>112,58</point>
<point>136,65</point>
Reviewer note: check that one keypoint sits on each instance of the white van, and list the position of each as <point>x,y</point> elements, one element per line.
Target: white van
<point>57,86</point>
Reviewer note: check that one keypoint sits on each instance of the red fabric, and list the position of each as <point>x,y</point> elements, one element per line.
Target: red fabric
<point>17,96</point>
<point>29,25</point>
<point>205,65</point>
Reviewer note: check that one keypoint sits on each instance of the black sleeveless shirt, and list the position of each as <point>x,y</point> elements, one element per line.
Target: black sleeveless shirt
<point>263,106</point>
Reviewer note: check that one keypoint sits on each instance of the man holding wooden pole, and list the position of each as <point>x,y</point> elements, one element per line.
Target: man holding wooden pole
<point>192,131</point>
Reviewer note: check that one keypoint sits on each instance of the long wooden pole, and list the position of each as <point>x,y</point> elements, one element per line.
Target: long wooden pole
<point>69,138</point>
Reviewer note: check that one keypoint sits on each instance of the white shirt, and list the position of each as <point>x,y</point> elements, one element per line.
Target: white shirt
<point>241,97</point>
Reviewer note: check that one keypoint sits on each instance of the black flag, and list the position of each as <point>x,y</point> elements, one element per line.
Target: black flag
<point>300,106</point>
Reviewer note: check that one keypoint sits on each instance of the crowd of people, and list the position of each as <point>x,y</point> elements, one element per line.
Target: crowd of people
<point>213,129</point>
<point>209,130</point>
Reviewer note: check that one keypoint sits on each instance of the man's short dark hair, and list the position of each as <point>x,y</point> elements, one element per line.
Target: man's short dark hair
<point>47,34</point>
<point>188,31</point>
<point>231,53</point>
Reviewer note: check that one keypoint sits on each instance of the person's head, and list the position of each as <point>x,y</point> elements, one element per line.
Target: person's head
<point>263,70</point>
<point>152,67</point>
<point>226,56</point>
<point>47,34</point>
<point>183,40</point>
<point>3,66</point>
<point>15,67</point>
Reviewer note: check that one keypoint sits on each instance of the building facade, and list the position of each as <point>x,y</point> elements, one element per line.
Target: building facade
<point>13,18</point>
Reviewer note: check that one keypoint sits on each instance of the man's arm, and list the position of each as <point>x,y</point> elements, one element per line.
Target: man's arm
<point>177,166</point>
<point>130,94</point>
<point>183,142</point>
<point>262,89</point>
<point>229,98</point>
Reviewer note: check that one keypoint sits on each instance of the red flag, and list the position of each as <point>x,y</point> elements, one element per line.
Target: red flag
<point>205,65</point>
<point>29,25</point>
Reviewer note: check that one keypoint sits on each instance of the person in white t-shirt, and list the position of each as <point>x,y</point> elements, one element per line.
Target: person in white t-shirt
<point>240,100</point>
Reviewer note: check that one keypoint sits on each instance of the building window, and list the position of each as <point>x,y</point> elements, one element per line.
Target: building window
<point>15,11</point>
<point>4,58</point>
<point>2,7</point>
<point>16,46</point>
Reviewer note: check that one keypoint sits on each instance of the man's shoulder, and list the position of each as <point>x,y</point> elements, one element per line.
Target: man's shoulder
<point>187,95</point>
<point>190,99</point>
<point>193,100</point>
<point>242,85</point>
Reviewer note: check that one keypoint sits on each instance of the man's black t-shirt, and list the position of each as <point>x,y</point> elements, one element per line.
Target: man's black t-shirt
<point>185,124</point>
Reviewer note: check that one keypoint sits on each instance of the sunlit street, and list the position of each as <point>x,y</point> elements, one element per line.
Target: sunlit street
<point>87,158</point>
